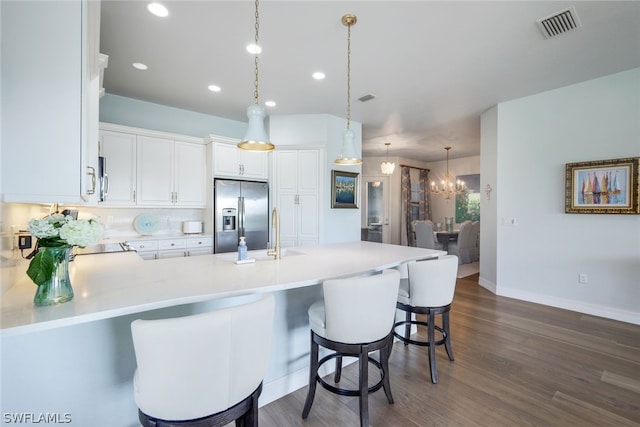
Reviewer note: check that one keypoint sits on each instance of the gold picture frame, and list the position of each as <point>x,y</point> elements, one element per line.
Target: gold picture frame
<point>603,187</point>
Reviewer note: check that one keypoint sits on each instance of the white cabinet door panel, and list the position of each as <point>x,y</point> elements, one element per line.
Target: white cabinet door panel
<point>119,150</point>
<point>229,161</point>
<point>155,171</point>
<point>190,174</point>
<point>308,217</point>
<point>297,196</point>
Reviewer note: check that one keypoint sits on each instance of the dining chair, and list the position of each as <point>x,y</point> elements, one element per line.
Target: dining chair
<point>425,237</point>
<point>462,247</point>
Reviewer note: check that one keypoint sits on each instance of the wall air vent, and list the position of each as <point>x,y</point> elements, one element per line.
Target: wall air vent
<point>367,97</point>
<point>560,22</point>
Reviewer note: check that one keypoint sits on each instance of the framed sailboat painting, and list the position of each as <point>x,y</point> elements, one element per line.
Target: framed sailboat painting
<point>603,187</point>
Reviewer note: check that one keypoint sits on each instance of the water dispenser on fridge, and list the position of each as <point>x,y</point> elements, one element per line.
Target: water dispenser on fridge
<point>229,219</point>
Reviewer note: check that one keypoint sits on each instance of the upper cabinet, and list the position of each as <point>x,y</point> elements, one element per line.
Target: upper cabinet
<point>119,182</point>
<point>231,162</point>
<point>49,101</point>
<point>148,168</point>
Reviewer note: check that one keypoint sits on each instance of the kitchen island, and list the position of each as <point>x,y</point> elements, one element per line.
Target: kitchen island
<point>77,358</point>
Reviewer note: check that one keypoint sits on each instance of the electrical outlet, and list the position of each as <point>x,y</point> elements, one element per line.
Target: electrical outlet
<point>24,241</point>
<point>583,278</point>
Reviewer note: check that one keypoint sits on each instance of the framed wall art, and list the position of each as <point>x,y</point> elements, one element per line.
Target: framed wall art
<point>344,189</point>
<point>602,187</point>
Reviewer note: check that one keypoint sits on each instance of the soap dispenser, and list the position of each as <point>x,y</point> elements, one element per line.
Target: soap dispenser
<point>242,249</point>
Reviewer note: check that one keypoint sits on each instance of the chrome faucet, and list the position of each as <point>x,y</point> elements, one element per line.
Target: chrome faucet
<point>275,225</point>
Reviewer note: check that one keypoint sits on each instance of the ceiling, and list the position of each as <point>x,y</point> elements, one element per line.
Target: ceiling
<point>433,66</point>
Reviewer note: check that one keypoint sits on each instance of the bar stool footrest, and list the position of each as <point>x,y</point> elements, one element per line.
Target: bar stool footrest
<point>407,340</point>
<point>349,392</point>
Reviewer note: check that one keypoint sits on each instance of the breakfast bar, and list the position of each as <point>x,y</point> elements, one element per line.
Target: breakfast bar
<point>76,359</point>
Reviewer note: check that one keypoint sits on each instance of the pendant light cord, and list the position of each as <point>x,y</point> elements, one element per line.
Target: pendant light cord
<point>257,27</point>
<point>349,75</point>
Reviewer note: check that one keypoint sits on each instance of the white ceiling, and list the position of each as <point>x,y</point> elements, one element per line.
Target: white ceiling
<point>434,66</point>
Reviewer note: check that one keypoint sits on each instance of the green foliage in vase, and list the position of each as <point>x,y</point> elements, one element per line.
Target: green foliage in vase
<point>59,231</point>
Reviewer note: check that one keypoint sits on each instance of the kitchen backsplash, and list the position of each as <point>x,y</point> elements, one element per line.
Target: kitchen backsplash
<point>117,222</point>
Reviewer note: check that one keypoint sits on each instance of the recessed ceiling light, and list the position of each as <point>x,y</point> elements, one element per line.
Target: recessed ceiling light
<point>139,66</point>
<point>158,9</point>
<point>214,88</point>
<point>254,49</point>
<point>270,103</point>
<point>318,75</point>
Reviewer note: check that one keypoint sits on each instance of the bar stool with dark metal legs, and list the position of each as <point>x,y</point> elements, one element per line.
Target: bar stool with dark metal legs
<point>354,319</point>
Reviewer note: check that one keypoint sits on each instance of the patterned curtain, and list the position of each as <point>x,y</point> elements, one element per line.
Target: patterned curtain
<point>406,205</point>
<point>425,196</point>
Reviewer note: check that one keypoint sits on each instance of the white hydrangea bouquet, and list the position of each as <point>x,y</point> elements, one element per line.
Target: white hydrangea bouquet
<point>59,231</point>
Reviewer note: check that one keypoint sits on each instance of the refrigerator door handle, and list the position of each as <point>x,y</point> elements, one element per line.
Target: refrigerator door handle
<point>240,216</point>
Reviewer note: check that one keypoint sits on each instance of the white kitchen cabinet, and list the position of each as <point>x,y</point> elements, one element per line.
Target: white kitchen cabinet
<point>297,196</point>
<point>202,245</point>
<point>190,181</point>
<point>231,162</point>
<point>171,173</point>
<point>156,169</point>
<point>174,247</point>
<point>146,249</point>
<point>46,96</point>
<point>119,150</point>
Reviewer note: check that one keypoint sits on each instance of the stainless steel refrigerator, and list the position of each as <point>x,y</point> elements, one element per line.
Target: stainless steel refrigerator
<point>240,208</point>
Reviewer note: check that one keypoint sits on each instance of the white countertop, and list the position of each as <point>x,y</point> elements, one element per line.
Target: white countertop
<point>115,284</point>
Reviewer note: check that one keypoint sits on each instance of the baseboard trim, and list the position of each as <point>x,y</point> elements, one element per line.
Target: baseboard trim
<point>580,307</point>
<point>488,285</point>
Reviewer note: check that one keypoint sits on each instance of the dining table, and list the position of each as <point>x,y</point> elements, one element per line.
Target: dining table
<point>445,237</point>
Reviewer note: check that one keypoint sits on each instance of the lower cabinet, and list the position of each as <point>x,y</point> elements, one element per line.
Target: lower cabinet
<point>177,247</point>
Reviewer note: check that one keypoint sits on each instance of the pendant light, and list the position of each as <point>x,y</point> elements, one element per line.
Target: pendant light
<point>448,187</point>
<point>348,154</point>
<point>256,138</point>
<point>387,167</point>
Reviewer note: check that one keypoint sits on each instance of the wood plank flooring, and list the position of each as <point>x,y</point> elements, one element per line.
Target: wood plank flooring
<point>516,364</point>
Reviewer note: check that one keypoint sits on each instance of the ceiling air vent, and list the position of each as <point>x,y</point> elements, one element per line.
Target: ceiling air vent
<point>367,97</point>
<point>559,22</point>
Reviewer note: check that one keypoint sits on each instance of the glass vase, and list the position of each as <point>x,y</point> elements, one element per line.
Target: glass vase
<point>57,289</point>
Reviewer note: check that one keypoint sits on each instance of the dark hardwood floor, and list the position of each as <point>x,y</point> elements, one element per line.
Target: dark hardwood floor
<point>516,364</point>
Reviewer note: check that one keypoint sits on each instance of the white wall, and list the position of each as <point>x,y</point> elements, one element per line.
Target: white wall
<point>488,207</point>
<point>323,131</point>
<point>540,257</point>
<point>147,115</point>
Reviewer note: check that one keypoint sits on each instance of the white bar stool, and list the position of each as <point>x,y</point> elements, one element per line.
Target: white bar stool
<point>203,370</point>
<point>355,318</point>
<point>429,290</point>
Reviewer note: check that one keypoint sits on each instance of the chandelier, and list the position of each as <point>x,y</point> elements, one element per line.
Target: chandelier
<point>348,154</point>
<point>256,138</point>
<point>387,167</point>
<point>448,186</point>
